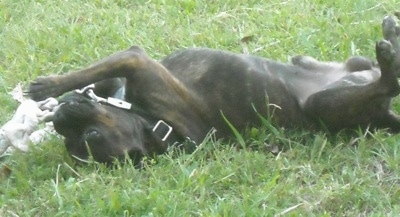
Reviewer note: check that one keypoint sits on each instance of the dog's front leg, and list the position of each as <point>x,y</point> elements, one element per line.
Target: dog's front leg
<point>121,64</point>
<point>149,86</point>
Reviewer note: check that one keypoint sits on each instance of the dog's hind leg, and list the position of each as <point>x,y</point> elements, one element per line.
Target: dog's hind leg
<point>353,64</point>
<point>391,31</point>
<point>347,104</point>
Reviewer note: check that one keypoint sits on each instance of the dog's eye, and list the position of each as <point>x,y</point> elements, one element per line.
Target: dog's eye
<point>91,135</point>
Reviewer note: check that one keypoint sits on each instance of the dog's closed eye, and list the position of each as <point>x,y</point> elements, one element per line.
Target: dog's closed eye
<point>92,135</point>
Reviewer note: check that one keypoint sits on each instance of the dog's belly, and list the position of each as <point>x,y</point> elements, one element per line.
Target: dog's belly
<point>236,86</point>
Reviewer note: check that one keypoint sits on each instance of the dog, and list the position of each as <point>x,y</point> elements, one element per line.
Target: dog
<point>157,104</point>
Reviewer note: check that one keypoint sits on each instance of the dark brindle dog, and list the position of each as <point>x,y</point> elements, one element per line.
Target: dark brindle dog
<point>190,91</point>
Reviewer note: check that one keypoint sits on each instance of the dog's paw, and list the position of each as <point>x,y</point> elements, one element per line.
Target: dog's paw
<point>384,52</point>
<point>389,28</point>
<point>43,87</point>
<point>358,63</point>
<point>386,55</point>
<point>305,62</point>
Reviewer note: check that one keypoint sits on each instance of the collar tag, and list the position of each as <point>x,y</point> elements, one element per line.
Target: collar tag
<point>119,103</point>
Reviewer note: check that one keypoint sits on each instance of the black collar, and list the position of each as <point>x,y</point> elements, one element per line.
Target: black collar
<point>168,136</point>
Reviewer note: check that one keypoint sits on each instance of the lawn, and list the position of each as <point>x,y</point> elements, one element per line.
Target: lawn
<point>317,174</point>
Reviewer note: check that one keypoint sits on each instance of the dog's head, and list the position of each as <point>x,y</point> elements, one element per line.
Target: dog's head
<point>102,131</point>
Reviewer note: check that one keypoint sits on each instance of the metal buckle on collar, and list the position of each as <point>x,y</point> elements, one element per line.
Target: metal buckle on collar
<point>160,124</point>
<point>88,90</point>
<point>85,89</point>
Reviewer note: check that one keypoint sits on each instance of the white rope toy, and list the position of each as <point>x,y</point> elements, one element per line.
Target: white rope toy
<point>19,132</point>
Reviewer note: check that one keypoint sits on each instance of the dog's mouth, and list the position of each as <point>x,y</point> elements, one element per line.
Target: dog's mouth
<point>73,114</point>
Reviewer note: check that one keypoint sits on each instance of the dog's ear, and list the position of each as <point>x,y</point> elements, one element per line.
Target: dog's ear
<point>113,87</point>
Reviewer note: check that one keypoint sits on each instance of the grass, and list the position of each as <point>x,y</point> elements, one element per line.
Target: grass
<point>317,175</point>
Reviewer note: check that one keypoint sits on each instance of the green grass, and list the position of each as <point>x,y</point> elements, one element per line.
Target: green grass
<point>316,175</point>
